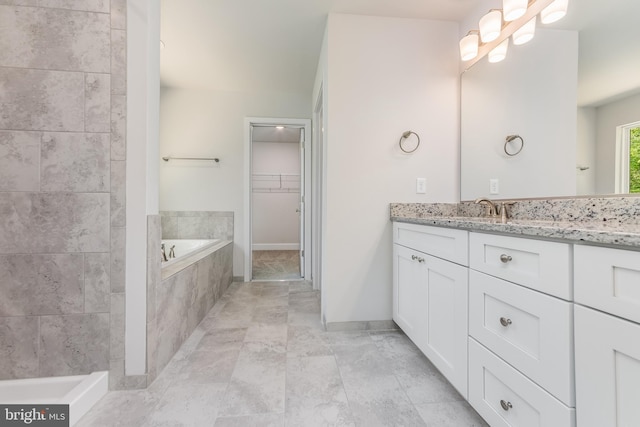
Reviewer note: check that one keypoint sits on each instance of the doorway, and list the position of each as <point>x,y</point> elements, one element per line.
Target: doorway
<point>277,246</point>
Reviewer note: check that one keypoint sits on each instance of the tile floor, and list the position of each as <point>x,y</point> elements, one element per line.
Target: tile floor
<point>276,265</point>
<point>261,358</point>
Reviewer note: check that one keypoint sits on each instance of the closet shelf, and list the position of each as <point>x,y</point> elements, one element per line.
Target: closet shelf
<point>275,183</point>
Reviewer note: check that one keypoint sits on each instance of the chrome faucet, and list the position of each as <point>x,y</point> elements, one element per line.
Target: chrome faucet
<point>491,210</point>
<point>172,253</point>
<point>163,254</point>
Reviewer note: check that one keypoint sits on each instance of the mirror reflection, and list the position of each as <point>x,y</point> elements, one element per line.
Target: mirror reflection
<point>572,94</point>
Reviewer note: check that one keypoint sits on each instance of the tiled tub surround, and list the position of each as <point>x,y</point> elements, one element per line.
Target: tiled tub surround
<point>180,295</point>
<point>62,187</point>
<point>197,225</point>
<point>602,220</point>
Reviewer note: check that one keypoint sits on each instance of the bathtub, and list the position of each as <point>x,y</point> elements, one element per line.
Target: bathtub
<point>187,252</point>
<point>80,392</point>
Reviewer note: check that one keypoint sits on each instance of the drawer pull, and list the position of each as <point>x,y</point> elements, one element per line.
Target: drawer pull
<point>419,259</point>
<point>505,258</point>
<point>506,405</point>
<point>505,322</point>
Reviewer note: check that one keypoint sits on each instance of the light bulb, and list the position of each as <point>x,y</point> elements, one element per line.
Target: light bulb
<point>554,12</point>
<point>525,33</point>
<point>499,52</point>
<point>490,26</point>
<point>469,47</point>
<point>513,9</point>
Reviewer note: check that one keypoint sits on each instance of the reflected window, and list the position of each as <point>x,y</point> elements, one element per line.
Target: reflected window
<point>628,158</point>
<point>634,160</point>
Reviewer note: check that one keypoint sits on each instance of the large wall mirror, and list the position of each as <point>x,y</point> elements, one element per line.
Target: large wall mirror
<point>572,94</point>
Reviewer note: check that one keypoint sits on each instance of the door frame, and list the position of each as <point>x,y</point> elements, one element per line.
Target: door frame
<point>306,178</point>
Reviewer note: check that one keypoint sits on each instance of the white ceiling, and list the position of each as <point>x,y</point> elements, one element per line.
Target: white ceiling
<point>265,45</point>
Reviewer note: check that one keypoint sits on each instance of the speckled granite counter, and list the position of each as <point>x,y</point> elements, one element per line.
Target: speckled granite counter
<point>611,221</point>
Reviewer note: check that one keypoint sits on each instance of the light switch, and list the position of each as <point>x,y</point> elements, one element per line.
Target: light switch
<point>494,186</point>
<point>421,185</point>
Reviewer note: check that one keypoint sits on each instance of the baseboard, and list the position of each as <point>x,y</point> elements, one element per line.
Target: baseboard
<point>275,246</point>
<point>373,325</point>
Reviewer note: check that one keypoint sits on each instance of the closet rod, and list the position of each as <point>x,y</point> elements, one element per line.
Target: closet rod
<point>215,159</point>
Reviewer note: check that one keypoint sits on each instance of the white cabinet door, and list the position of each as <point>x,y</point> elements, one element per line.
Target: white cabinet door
<point>607,370</point>
<point>430,304</point>
<point>409,292</point>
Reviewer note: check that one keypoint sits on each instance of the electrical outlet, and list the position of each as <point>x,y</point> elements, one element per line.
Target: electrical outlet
<point>494,186</point>
<point>421,185</point>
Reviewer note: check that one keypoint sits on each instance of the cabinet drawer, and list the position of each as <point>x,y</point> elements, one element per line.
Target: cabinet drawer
<point>445,243</point>
<point>505,397</point>
<point>531,331</point>
<point>608,279</point>
<point>540,265</point>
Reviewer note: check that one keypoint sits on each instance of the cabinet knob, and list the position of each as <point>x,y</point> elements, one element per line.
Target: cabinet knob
<point>506,405</point>
<point>417,258</point>
<point>505,322</point>
<point>505,258</point>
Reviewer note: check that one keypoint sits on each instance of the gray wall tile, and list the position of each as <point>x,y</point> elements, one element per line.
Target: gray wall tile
<point>119,14</point>
<point>88,5</point>
<point>20,2</point>
<point>118,256</point>
<point>54,39</point>
<point>118,127</point>
<point>41,100</point>
<point>74,344</point>
<point>118,193</point>
<point>205,228</point>
<point>19,161</point>
<point>118,62</point>
<point>170,227</point>
<point>117,323</point>
<point>75,162</point>
<point>41,284</point>
<point>54,222</point>
<point>97,102</point>
<point>97,286</point>
<point>18,347</point>
<point>154,276</point>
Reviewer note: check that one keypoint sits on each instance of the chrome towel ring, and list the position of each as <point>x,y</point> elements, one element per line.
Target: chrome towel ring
<point>406,135</point>
<point>511,138</point>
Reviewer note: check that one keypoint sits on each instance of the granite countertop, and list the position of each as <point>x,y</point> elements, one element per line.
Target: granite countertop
<point>572,223</point>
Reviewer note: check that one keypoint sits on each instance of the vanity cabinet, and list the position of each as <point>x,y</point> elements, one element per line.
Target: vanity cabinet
<point>430,295</point>
<point>521,370</point>
<point>607,336</point>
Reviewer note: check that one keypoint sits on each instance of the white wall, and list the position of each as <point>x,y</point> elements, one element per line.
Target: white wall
<point>608,118</point>
<point>276,224</point>
<point>143,77</point>
<point>586,151</point>
<point>197,123</point>
<point>384,76</point>
<point>512,97</point>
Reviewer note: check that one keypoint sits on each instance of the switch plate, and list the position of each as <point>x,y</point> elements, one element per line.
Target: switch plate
<point>494,186</point>
<point>421,185</point>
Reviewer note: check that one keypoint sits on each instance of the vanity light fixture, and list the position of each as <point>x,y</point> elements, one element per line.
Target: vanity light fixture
<point>495,33</point>
<point>499,52</point>
<point>279,127</point>
<point>525,33</point>
<point>469,45</point>
<point>554,12</point>
<point>514,9</point>
<point>490,26</point>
